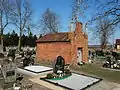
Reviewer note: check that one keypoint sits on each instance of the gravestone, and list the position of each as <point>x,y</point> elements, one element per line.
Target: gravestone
<point>8,69</point>
<point>28,60</point>
<point>59,64</point>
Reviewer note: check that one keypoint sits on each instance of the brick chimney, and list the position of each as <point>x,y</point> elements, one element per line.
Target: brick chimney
<point>78,28</point>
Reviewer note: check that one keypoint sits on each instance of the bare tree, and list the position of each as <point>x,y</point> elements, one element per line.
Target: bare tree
<point>104,31</point>
<point>22,16</point>
<point>49,22</point>
<point>110,9</point>
<point>78,8</point>
<point>5,13</point>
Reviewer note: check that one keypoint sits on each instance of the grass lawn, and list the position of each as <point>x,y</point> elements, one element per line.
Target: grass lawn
<point>96,70</point>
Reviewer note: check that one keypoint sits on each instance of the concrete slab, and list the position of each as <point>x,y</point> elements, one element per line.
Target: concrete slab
<point>75,82</point>
<point>37,68</point>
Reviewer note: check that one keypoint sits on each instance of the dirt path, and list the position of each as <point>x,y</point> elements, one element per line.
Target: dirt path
<point>105,85</point>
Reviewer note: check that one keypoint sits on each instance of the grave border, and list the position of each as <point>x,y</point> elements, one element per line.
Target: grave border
<point>57,84</point>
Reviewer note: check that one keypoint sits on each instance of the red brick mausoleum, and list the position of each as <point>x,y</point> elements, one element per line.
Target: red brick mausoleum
<point>72,46</point>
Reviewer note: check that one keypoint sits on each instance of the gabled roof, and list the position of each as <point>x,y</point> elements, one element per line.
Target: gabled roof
<point>117,41</point>
<point>57,37</point>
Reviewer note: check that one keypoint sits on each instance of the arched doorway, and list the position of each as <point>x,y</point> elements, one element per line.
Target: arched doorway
<point>79,55</point>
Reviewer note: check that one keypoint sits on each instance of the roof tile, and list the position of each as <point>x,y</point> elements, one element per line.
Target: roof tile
<point>57,37</point>
<point>118,41</point>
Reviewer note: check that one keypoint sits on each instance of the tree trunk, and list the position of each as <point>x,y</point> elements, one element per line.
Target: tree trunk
<point>103,46</point>
<point>1,41</point>
<point>19,43</point>
<point>1,34</point>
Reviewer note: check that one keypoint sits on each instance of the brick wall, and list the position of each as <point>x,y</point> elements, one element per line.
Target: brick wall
<point>49,51</point>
